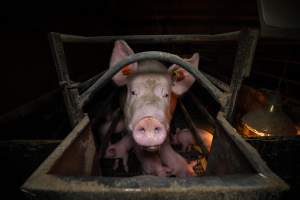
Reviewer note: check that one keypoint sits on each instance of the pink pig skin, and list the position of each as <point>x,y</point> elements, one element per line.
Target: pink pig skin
<point>186,138</point>
<point>120,150</point>
<point>175,161</point>
<point>151,163</point>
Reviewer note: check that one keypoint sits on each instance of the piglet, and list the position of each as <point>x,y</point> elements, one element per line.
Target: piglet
<point>120,150</point>
<point>206,137</point>
<point>151,163</point>
<point>175,161</point>
<point>185,138</point>
<point>104,128</point>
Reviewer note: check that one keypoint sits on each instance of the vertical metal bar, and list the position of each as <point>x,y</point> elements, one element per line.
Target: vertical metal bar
<point>71,94</point>
<point>193,129</point>
<point>242,67</point>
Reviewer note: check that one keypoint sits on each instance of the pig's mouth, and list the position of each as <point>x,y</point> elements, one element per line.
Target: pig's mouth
<point>149,133</point>
<point>152,148</point>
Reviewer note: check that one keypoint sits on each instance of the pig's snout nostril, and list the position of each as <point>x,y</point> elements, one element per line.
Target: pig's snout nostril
<point>149,132</point>
<point>157,130</point>
<point>141,130</point>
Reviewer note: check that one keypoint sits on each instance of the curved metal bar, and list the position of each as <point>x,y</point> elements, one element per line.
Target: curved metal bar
<point>153,55</point>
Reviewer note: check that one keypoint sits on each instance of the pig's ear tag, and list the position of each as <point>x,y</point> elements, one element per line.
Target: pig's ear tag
<point>126,71</point>
<point>177,74</point>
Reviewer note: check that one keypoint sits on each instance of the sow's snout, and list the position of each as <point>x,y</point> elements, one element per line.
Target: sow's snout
<point>149,133</point>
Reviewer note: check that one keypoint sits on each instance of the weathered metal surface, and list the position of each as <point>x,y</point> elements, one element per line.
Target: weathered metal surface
<point>249,152</point>
<point>55,180</point>
<point>71,94</point>
<point>234,171</point>
<point>147,187</point>
<point>152,38</point>
<point>79,158</point>
<point>242,67</point>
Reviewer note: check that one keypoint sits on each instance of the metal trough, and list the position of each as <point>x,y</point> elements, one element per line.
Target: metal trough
<point>235,171</point>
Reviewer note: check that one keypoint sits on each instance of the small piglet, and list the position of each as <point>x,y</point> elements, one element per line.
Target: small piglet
<point>120,150</point>
<point>175,161</point>
<point>185,138</point>
<point>151,163</point>
<point>104,128</point>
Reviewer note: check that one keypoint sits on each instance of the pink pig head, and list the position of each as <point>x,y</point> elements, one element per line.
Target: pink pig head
<point>152,90</point>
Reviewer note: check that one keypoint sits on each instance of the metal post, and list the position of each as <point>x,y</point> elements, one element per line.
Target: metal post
<point>71,94</point>
<point>242,67</point>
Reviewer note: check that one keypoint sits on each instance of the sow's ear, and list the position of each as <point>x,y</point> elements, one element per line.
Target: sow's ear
<point>181,79</point>
<point>121,51</point>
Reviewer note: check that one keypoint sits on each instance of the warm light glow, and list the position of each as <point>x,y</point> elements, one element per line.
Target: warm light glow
<point>255,131</point>
<point>248,131</point>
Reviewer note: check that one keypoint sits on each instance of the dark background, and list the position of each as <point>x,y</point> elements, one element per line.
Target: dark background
<point>31,105</point>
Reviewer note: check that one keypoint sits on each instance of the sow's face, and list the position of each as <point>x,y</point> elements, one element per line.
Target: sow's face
<point>151,95</point>
<point>148,107</point>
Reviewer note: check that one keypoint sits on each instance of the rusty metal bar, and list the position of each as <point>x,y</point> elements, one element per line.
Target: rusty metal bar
<point>153,39</point>
<point>242,66</point>
<point>156,55</point>
<point>193,129</point>
<point>200,107</point>
<point>71,94</point>
<point>220,84</point>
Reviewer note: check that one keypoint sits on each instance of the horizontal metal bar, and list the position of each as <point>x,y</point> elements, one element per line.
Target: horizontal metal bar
<point>153,55</point>
<point>230,36</point>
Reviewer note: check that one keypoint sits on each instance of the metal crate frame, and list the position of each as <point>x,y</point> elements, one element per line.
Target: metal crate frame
<point>263,184</point>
